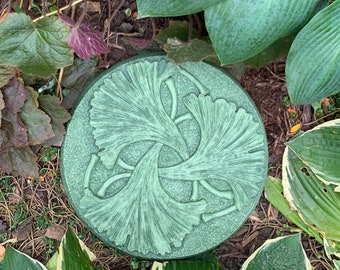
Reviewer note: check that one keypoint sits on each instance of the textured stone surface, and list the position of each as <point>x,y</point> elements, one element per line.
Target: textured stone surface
<point>164,161</point>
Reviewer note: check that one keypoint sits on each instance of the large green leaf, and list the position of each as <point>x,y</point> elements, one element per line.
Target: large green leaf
<point>37,48</point>
<point>333,252</point>
<point>281,253</point>
<point>168,8</point>
<point>317,203</point>
<point>313,64</point>
<point>319,148</point>
<point>19,261</point>
<point>273,193</point>
<point>242,29</point>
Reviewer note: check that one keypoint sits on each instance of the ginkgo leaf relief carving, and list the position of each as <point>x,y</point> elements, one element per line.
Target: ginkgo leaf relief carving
<point>168,157</point>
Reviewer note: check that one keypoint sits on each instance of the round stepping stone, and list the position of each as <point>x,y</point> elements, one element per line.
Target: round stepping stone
<point>164,161</point>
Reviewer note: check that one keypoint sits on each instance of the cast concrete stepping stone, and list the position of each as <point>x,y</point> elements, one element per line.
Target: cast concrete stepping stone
<point>164,161</point>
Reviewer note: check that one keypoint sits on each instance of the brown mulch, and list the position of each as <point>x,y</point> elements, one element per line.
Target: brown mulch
<point>44,204</point>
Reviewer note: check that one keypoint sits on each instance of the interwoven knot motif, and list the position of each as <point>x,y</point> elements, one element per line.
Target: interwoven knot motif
<point>169,158</point>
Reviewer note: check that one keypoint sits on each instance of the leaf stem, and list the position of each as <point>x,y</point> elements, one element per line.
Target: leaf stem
<point>57,11</point>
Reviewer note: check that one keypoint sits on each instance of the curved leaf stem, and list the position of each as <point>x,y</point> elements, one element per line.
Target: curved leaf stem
<point>101,192</point>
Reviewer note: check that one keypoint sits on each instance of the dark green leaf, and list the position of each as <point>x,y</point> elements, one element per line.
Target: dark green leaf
<point>281,253</point>
<point>59,116</point>
<point>36,121</point>
<point>19,261</point>
<point>19,162</point>
<point>241,29</point>
<point>168,8</point>
<point>313,63</point>
<point>76,77</point>
<point>37,48</point>
<point>72,255</point>
<point>176,29</point>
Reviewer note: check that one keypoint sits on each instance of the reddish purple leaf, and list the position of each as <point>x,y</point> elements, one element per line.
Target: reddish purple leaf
<point>83,40</point>
<point>13,133</point>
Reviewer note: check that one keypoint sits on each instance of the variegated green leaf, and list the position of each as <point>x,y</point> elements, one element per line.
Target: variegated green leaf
<point>317,203</point>
<point>313,63</point>
<point>281,253</point>
<point>332,249</point>
<point>319,149</point>
<point>168,8</point>
<point>242,29</point>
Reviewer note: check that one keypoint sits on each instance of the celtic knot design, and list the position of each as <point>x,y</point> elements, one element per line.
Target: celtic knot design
<point>139,112</point>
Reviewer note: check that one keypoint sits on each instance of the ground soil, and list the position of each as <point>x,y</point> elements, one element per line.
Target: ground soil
<point>46,208</point>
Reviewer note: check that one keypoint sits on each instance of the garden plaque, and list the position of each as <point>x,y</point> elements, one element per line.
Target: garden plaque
<point>164,161</point>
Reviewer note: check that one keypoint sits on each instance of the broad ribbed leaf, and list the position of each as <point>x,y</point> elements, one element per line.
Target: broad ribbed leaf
<point>313,64</point>
<point>273,193</point>
<point>281,253</point>
<point>19,261</point>
<point>319,148</point>
<point>38,48</point>
<point>168,8</point>
<point>317,204</point>
<point>242,29</point>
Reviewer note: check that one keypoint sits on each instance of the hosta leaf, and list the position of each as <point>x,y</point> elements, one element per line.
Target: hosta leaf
<point>317,204</point>
<point>13,132</point>
<point>72,255</point>
<point>84,40</point>
<point>59,116</point>
<point>274,194</point>
<point>76,77</point>
<point>6,73</point>
<point>37,48</point>
<point>281,253</point>
<point>242,29</point>
<point>313,63</point>
<point>319,149</point>
<point>194,50</point>
<point>168,8</point>
<point>19,261</point>
<point>36,121</point>
<point>19,162</point>
<point>333,252</point>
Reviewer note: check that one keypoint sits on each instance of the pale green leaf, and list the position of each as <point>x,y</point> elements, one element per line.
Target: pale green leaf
<point>281,253</point>
<point>19,261</point>
<point>319,149</point>
<point>168,8</point>
<point>36,121</point>
<point>242,29</point>
<point>176,29</point>
<point>313,63</point>
<point>37,48</point>
<point>195,50</point>
<point>316,203</point>
<point>273,193</point>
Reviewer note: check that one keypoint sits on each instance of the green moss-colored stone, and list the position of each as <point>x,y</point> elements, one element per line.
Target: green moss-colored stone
<point>164,161</point>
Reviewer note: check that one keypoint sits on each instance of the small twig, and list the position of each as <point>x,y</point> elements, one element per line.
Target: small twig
<point>323,117</point>
<point>153,25</point>
<point>82,15</point>
<point>199,25</point>
<point>59,90</point>
<point>57,11</point>
<point>276,76</point>
<point>190,28</point>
